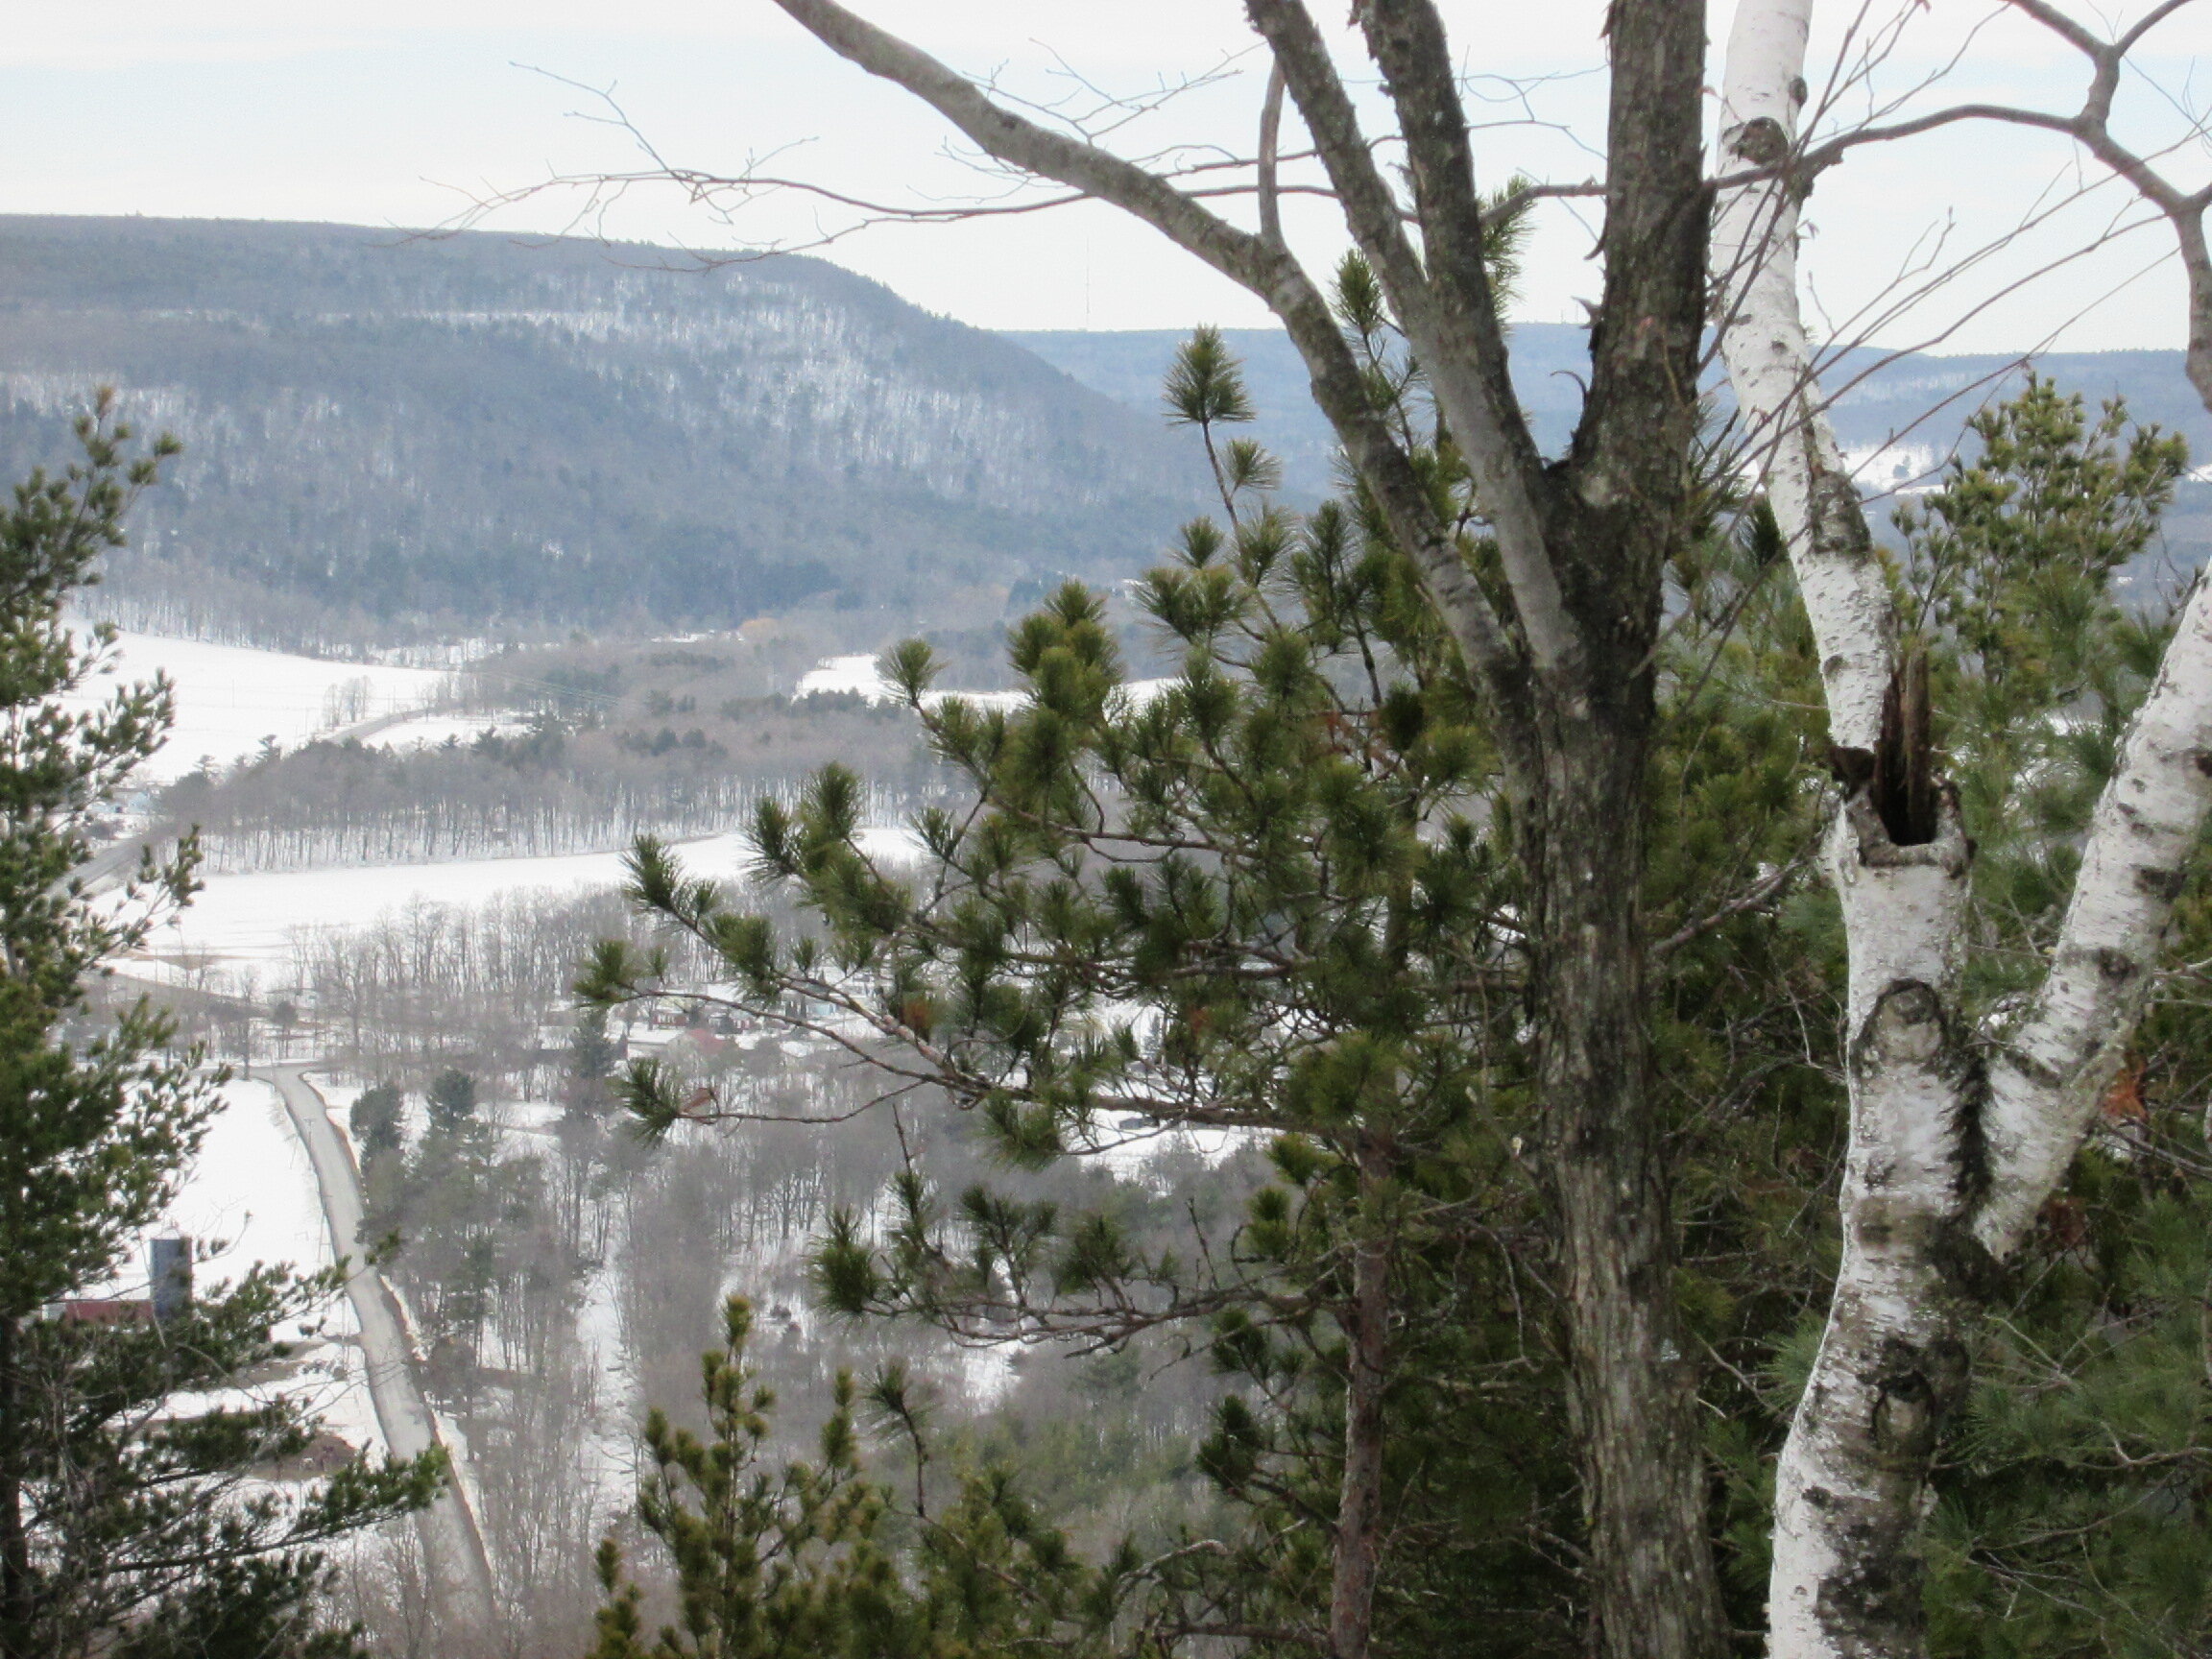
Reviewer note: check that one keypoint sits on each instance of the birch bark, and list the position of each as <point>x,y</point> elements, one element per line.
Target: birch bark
<point>1770,366</point>
<point>2045,1087</point>
<point>1949,1163</point>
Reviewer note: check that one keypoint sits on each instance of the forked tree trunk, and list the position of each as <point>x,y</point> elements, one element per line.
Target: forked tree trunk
<point>1893,1360</point>
<point>1564,655</point>
<point>1948,1164</point>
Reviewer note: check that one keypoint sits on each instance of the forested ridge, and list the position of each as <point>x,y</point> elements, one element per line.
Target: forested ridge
<point>1899,413</point>
<point>391,437</point>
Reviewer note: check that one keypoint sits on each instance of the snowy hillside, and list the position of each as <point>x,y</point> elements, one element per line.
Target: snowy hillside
<point>229,699</point>
<point>391,438</point>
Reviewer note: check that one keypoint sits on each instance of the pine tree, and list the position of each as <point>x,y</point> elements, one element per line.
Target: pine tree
<point>796,1562</point>
<point>452,1100</point>
<point>1273,899</point>
<point>164,1534</point>
<point>377,1122</point>
<point>593,1053</point>
<point>123,1528</point>
<point>1277,896</point>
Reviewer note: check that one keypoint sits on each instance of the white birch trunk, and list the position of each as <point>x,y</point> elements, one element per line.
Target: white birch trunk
<point>1847,1487</point>
<point>1846,1577</point>
<point>1947,1169</point>
<point>1770,367</point>
<point>2045,1089</point>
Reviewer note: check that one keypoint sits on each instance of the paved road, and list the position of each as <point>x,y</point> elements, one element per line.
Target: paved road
<point>458,1563</point>
<point>111,863</point>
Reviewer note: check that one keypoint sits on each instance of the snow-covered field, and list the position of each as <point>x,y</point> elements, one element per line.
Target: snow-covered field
<point>230,698</point>
<point>249,921</point>
<point>846,674</point>
<point>253,1188</point>
<point>252,1192</point>
<point>428,731</point>
<point>859,674</point>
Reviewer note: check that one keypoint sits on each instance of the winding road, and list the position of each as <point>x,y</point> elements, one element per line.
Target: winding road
<point>459,1566</point>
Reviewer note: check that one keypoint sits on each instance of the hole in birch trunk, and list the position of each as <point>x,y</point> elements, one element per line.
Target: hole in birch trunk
<point>1902,789</point>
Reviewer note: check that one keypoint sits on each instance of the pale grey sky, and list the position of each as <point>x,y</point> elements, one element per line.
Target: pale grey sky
<point>401,113</point>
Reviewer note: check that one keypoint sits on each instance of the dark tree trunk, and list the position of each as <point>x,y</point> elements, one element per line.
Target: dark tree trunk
<point>1563,646</point>
<point>1618,507</point>
<point>1359,1495</point>
<point>14,1544</point>
<point>1652,1590</point>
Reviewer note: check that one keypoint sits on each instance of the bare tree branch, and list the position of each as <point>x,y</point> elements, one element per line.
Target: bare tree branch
<point>1449,337</point>
<point>1270,144</point>
<point>1250,260</point>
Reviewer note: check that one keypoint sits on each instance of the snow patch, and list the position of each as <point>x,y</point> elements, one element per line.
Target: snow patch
<point>252,1192</point>
<point>859,676</point>
<point>250,919</point>
<point>430,730</point>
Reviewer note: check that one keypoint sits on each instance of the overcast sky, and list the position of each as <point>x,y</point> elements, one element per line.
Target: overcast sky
<point>403,112</point>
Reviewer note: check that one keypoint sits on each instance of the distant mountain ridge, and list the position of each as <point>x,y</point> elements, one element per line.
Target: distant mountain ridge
<point>456,434</point>
<point>391,440</point>
<point>1899,415</point>
<point>1910,402</point>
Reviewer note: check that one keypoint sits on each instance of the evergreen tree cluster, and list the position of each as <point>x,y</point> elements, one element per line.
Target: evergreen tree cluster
<point>1275,900</point>
<point>468,1226</point>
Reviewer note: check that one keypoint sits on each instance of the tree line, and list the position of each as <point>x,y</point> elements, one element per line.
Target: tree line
<point>556,785</point>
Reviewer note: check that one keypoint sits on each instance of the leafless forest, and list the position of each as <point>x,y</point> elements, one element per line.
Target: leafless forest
<point>563,1273</point>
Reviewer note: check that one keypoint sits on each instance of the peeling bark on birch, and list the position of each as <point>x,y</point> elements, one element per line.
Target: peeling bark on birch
<point>1948,1166</point>
<point>1847,1579</point>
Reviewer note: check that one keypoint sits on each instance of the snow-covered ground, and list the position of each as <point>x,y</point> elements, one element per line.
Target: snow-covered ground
<point>1898,468</point>
<point>428,731</point>
<point>846,674</point>
<point>1136,1154</point>
<point>230,698</point>
<point>249,919</point>
<point>253,1189</point>
<point>252,1192</point>
<point>859,674</point>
